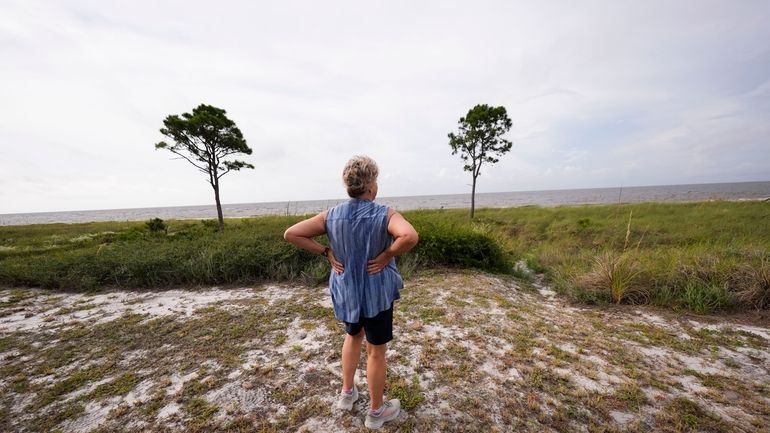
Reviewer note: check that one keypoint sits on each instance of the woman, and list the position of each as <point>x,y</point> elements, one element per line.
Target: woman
<point>364,237</point>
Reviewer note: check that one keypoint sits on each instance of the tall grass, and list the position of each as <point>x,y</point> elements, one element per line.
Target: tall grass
<point>615,273</point>
<point>704,257</point>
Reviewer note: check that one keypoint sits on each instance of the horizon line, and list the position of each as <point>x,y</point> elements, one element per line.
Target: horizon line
<point>385,197</point>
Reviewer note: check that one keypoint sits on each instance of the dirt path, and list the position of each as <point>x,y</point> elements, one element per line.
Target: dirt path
<point>472,352</point>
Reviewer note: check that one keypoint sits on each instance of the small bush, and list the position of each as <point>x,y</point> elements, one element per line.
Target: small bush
<point>583,223</point>
<point>210,224</point>
<point>443,243</point>
<point>132,234</point>
<point>156,225</point>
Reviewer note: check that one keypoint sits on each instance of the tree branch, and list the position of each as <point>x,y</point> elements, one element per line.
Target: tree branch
<point>188,160</point>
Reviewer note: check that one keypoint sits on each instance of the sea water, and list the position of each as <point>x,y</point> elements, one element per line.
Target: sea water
<point>637,194</point>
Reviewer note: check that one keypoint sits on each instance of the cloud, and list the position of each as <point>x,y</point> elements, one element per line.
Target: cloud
<point>600,94</point>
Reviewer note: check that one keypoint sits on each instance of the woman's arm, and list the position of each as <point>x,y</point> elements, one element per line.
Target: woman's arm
<point>405,239</point>
<point>302,234</point>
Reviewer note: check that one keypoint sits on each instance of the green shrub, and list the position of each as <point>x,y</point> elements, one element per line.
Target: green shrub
<point>131,234</point>
<point>443,242</point>
<point>210,224</point>
<point>583,223</point>
<point>156,225</point>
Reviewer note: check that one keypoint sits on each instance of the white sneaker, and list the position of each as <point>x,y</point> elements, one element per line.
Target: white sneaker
<point>390,411</point>
<point>345,401</point>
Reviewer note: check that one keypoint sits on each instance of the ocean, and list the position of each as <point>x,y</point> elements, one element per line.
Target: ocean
<point>637,194</point>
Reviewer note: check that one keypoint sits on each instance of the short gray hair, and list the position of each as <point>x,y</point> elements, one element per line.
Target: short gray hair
<point>360,172</point>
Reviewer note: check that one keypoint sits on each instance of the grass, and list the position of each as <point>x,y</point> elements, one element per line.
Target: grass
<point>684,415</point>
<point>409,393</point>
<point>703,257</point>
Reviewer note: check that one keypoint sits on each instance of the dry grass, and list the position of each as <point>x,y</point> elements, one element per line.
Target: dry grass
<point>615,274</point>
<point>755,283</point>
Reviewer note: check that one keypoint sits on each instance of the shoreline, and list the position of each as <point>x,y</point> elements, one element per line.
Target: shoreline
<point>466,208</point>
<point>737,191</point>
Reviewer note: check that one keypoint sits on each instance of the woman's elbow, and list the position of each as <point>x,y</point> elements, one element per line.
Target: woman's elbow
<point>413,239</point>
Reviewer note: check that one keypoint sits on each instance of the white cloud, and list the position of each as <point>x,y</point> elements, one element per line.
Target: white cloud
<point>600,94</point>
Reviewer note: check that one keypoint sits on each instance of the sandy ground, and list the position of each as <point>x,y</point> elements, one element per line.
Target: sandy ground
<point>472,352</point>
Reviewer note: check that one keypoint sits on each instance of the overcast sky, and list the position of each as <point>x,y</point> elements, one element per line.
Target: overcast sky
<point>601,94</point>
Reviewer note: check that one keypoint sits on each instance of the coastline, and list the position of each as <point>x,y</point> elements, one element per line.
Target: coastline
<point>545,198</point>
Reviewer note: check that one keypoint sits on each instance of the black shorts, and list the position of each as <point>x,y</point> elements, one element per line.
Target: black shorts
<point>378,329</point>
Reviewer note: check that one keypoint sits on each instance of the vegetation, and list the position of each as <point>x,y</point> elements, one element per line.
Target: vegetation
<point>703,257</point>
<point>88,256</point>
<point>479,139</point>
<point>473,351</point>
<point>204,138</point>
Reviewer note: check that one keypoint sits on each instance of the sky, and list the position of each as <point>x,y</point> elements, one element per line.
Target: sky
<point>601,94</point>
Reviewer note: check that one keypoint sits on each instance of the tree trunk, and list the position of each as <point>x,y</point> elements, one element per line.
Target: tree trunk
<point>473,196</point>
<point>219,207</point>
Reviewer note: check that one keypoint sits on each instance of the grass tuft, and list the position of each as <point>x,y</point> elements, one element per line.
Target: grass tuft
<point>409,393</point>
<point>754,281</point>
<point>615,274</point>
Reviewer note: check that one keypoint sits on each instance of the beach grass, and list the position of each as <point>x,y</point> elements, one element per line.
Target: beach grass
<point>702,257</point>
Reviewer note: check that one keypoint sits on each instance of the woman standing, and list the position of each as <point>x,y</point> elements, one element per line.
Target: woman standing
<point>365,238</point>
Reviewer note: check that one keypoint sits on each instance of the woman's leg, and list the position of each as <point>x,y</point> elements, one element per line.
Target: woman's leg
<point>351,354</point>
<point>375,372</point>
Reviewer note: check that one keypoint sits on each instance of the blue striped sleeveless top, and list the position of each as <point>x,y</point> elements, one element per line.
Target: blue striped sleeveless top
<point>358,232</point>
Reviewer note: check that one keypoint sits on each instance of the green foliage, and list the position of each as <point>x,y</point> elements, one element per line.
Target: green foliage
<point>210,224</point>
<point>480,136</point>
<point>252,249</point>
<point>706,298</point>
<point>703,257</point>
<point>156,225</point>
<point>131,234</point>
<point>720,247</point>
<point>583,223</point>
<point>450,242</point>
<point>204,138</point>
